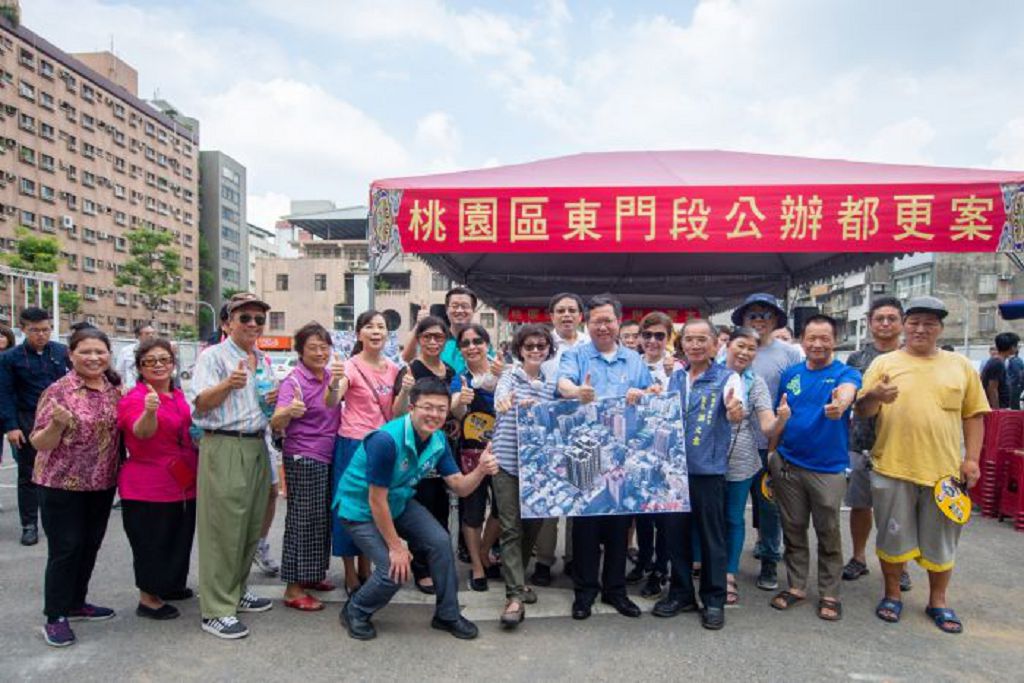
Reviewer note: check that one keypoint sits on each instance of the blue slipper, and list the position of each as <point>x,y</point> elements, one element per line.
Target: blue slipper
<point>889,605</point>
<point>944,615</point>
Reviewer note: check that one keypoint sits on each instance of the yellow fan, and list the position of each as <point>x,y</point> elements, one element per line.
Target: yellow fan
<point>951,497</point>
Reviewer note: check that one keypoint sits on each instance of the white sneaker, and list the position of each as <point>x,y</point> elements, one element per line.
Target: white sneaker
<point>262,559</point>
<point>251,602</point>
<point>228,628</point>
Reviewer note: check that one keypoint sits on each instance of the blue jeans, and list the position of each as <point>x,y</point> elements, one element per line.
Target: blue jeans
<point>424,535</point>
<point>735,523</point>
<point>770,524</point>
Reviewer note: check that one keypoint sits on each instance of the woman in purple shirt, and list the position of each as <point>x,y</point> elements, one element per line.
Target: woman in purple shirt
<point>308,414</point>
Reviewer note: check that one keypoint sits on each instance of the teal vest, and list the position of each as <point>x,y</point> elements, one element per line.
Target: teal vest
<point>352,499</point>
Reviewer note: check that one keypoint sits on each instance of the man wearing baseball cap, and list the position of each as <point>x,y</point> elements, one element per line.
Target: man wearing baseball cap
<point>926,401</point>
<point>763,313</point>
<point>234,471</point>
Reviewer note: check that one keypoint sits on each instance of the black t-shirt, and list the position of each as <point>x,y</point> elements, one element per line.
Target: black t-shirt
<point>420,370</point>
<point>995,369</point>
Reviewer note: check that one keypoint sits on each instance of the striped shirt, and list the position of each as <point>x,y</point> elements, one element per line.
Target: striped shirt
<point>241,410</point>
<point>505,442</point>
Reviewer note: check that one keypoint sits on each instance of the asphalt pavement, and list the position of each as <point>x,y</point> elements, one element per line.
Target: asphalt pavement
<point>758,643</point>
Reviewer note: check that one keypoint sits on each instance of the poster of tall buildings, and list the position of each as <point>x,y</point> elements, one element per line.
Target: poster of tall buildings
<point>603,458</point>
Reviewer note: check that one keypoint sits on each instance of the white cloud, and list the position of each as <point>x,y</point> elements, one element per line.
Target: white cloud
<point>266,209</point>
<point>439,141</point>
<point>1008,145</point>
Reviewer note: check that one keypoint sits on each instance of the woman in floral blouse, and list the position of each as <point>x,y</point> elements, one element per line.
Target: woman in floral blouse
<point>76,438</point>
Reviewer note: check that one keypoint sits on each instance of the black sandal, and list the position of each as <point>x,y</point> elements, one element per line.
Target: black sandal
<point>785,600</point>
<point>830,604</point>
<point>511,618</point>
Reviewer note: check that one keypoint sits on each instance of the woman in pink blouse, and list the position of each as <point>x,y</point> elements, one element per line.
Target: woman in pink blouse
<point>75,436</point>
<point>367,390</point>
<point>158,481</point>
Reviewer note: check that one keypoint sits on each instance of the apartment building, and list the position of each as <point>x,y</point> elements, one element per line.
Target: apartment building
<point>222,224</point>
<point>84,159</point>
<point>262,244</point>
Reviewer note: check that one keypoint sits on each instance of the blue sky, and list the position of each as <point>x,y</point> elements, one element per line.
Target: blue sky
<point>319,97</point>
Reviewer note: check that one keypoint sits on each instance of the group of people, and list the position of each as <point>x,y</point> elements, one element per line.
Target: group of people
<point>371,451</point>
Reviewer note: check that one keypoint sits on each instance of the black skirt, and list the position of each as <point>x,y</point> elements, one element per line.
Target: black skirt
<point>161,538</point>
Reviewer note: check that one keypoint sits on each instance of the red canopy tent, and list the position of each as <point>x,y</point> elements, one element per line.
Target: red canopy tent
<point>686,229</point>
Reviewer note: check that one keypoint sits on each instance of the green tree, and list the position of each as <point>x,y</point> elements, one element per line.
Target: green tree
<point>34,252</point>
<point>187,333</point>
<point>70,303</point>
<point>206,270</point>
<point>229,292</point>
<point>154,266</point>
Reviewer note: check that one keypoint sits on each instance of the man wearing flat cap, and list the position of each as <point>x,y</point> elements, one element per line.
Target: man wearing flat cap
<point>926,402</point>
<point>234,471</point>
<point>763,313</point>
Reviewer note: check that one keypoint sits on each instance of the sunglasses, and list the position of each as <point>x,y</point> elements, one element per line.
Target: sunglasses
<point>765,315</point>
<point>435,337</point>
<point>247,318</point>
<point>474,341</point>
<point>153,362</point>
<point>536,347</point>
<point>648,336</point>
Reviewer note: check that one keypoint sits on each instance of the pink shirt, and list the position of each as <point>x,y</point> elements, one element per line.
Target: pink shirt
<point>147,474</point>
<point>368,398</point>
<point>86,457</point>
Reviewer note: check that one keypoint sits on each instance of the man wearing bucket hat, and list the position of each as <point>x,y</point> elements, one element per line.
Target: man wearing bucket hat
<point>924,400</point>
<point>763,313</point>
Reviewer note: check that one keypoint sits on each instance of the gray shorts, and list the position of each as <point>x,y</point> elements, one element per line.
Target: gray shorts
<point>910,526</point>
<point>858,488</point>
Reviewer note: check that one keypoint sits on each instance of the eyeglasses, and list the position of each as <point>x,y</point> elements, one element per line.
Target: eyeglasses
<point>566,311</point>
<point>542,346</point>
<point>648,336</point>
<point>472,341</point>
<point>432,337</point>
<point>604,322</point>
<point>759,315</point>
<point>246,318</point>
<point>431,410</point>
<point>152,362</point>
<point>459,307</point>
<point>38,330</point>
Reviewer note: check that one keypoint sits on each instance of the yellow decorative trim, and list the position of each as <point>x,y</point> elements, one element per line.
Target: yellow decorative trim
<point>932,567</point>
<point>899,559</point>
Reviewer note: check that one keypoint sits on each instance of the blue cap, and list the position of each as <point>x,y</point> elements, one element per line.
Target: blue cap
<point>764,299</point>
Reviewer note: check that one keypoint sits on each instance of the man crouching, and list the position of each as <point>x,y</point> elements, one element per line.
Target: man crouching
<point>375,502</point>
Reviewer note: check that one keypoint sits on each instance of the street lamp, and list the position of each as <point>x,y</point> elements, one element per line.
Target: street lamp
<point>213,312</point>
<point>965,316</point>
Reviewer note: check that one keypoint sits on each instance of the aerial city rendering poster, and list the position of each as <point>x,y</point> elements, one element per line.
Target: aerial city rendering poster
<point>603,458</point>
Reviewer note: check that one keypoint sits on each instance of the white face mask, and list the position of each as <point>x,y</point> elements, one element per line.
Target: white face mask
<point>487,382</point>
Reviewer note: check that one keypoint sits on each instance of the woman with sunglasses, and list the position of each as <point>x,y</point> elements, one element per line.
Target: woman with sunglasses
<point>652,553</point>
<point>518,389</point>
<point>430,336</point>
<point>368,392</point>
<point>473,405</point>
<point>744,461</point>
<point>75,437</point>
<point>308,414</point>
<point>158,481</point>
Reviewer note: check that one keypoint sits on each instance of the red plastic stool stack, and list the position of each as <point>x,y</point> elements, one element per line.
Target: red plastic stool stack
<point>1004,431</point>
<point>1011,490</point>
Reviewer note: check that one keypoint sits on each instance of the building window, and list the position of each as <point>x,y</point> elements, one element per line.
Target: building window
<point>919,284</point>
<point>487,319</point>
<point>987,283</point>
<point>320,282</point>
<point>28,187</point>
<point>28,218</point>
<point>282,282</point>
<point>277,320</point>
<point>439,283</point>
<point>986,320</point>
<point>230,234</point>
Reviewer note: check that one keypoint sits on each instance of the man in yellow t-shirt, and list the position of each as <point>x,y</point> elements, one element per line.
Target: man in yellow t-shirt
<point>928,403</point>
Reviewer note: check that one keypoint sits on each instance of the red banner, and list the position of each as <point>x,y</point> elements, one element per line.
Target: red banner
<point>842,218</point>
<point>526,314</point>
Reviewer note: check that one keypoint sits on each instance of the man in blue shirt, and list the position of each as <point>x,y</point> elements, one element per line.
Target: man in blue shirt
<point>809,468</point>
<point>375,502</point>
<point>602,368</point>
<point>25,371</point>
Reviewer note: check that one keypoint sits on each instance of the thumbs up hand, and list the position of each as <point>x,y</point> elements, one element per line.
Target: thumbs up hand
<point>497,366</point>
<point>885,391</point>
<point>297,408</point>
<point>60,415</point>
<point>585,392</point>
<point>466,395</point>
<point>152,403</point>
<point>733,407</point>
<point>337,370</point>
<point>239,377</point>
<point>505,403</point>
<point>783,412</point>
<point>835,408</point>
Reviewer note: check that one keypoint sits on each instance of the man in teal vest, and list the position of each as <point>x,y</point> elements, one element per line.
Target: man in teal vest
<point>375,502</point>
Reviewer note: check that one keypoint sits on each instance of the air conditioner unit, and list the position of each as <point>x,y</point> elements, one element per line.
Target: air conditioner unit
<point>358,265</point>
<point>67,222</point>
<point>1005,277</point>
